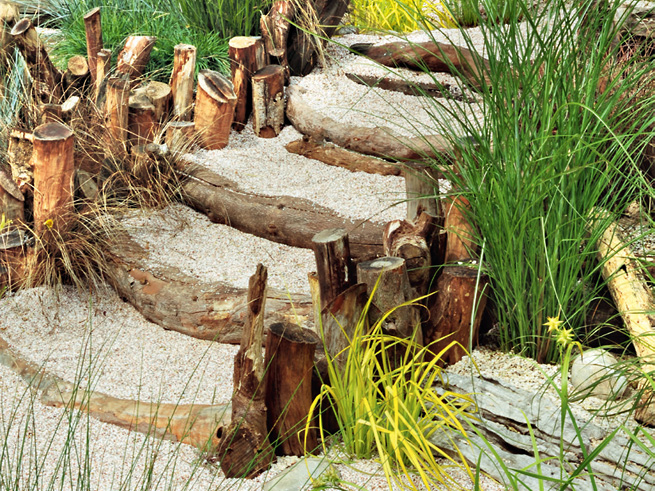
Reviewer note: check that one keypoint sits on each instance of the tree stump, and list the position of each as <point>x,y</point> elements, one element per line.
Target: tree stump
<point>93,30</point>
<point>386,279</point>
<point>142,124</point>
<point>460,242</point>
<point>50,113</point>
<point>290,363</point>
<point>215,103</point>
<point>244,449</point>
<point>180,135</point>
<point>54,171</point>
<point>134,56</point>
<point>247,55</point>
<point>19,153</point>
<point>268,101</point>
<point>160,95</point>
<point>456,312</point>
<point>184,68</point>
<point>334,266</point>
<point>76,73</point>
<point>47,78</point>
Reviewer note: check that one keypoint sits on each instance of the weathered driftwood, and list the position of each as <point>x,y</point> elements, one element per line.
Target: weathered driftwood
<point>379,141</point>
<point>247,55</point>
<point>268,101</point>
<point>416,242</point>
<point>386,279</point>
<point>436,57</point>
<point>456,312</point>
<point>404,86</point>
<point>275,27</point>
<point>12,201</point>
<point>634,301</point>
<point>47,78</point>
<point>93,30</point>
<point>192,424</point>
<point>504,410</point>
<point>214,111</point>
<point>244,449</point>
<point>134,56</point>
<point>184,68</point>
<point>331,154</point>
<point>334,265</point>
<point>174,300</point>
<point>54,171</point>
<point>289,365</point>
<point>283,219</point>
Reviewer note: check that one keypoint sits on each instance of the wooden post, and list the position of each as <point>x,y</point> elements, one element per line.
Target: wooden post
<point>315,292</point>
<point>456,312</point>
<point>93,29</point>
<point>275,30</point>
<point>460,243</point>
<point>268,101</point>
<point>420,191</point>
<point>46,76</point>
<point>184,67</point>
<point>77,72</point>
<point>103,67</point>
<point>134,56</point>
<point>141,121</point>
<point>334,266</point>
<point>244,449</point>
<point>215,103</point>
<point>247,55</point>
<point>180,135</point>
<point>54,171</point>
<point>160,96</point>
<point>290,363</point>
<point>388,276</point>
<point>12,201</point>
<point>50,113</point>
<point>416,244</point>
<point>117,112</point>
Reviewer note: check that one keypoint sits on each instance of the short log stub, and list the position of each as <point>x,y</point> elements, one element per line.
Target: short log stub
<point>268,101</point>
<point>215,103</point>
<point>420,191</point>
<point>184,67</point>
<point>142,124</point>
<point>334,266</point>
<point>290,362</point>
<point>12,201</point>
<point>103,67</point>
<point>54,171</point>
<point>456,312</point>
<point>247,55</point>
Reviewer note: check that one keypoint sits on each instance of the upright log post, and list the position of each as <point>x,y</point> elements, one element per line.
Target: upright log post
<point>141,121</point>
<point>46,76</point>
<point>247,55</point>
<point>275,30</point>
<point>50,113</point>
<point>54,171</point>
<point>244,449</point>
<point>215,103</point>
<point>290,363</point>
<point>134,56</point>
<point>76,73</point>
<point>268,101</point>
<point>184,67</point>
<point>334,266</point>
<point>117,113</point>
<point>180,135</point>
<point>388,277</point>
<point>460,242</point>
<point>103,67</point>
<point>456,312</point>
<point>160,96</point>
<point>12,201</point>
<point>93,30</point>
<point>420,192</point>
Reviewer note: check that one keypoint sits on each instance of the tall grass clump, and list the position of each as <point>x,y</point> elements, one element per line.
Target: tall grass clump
<point>227,17</point>
<point>562,129</point>
<point>397,15</point>
<point>381,392</point>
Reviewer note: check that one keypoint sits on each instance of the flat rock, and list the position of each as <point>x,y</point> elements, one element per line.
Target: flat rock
<point>595,374</point>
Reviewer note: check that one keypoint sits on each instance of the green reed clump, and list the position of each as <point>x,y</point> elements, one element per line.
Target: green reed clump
<point>562,128</point>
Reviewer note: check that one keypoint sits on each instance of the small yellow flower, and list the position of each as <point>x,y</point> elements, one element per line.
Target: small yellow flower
<point>48,223</point>
<point>564,337</point>
<point>553,323</point>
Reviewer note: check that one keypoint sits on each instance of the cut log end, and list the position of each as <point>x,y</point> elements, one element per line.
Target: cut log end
<point>52,132</point>
<point>216,86</point>
<point>21,27</point>
<point>92,13</point>
<point>330,235</point>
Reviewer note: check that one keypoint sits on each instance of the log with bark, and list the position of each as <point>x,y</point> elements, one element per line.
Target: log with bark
<point>77,73</point>
<point>182,81</point>
<point>282,219</point>
<point>134,56</point>
<point>436,57</point>
<point>247,55</point>
<point>117,115</point>
<point>142,124</point>
<point>12,201</point>
<point>50,113</point>
<point>461,242</point>
<point>93,31</point>
<point>47,78</point>
<point>456,312</point>
<point>192,424</point>
<point>289,366</point>
<point>244,449</point>
<point>275,27</point>
<point>214,111</point>
<point>331,154</point>
<point>380,142</point>
<point>335,268</point>
<point>268,101</point>
<point>103,68</point>
<point>502,413</point>
<point>636,304</point>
